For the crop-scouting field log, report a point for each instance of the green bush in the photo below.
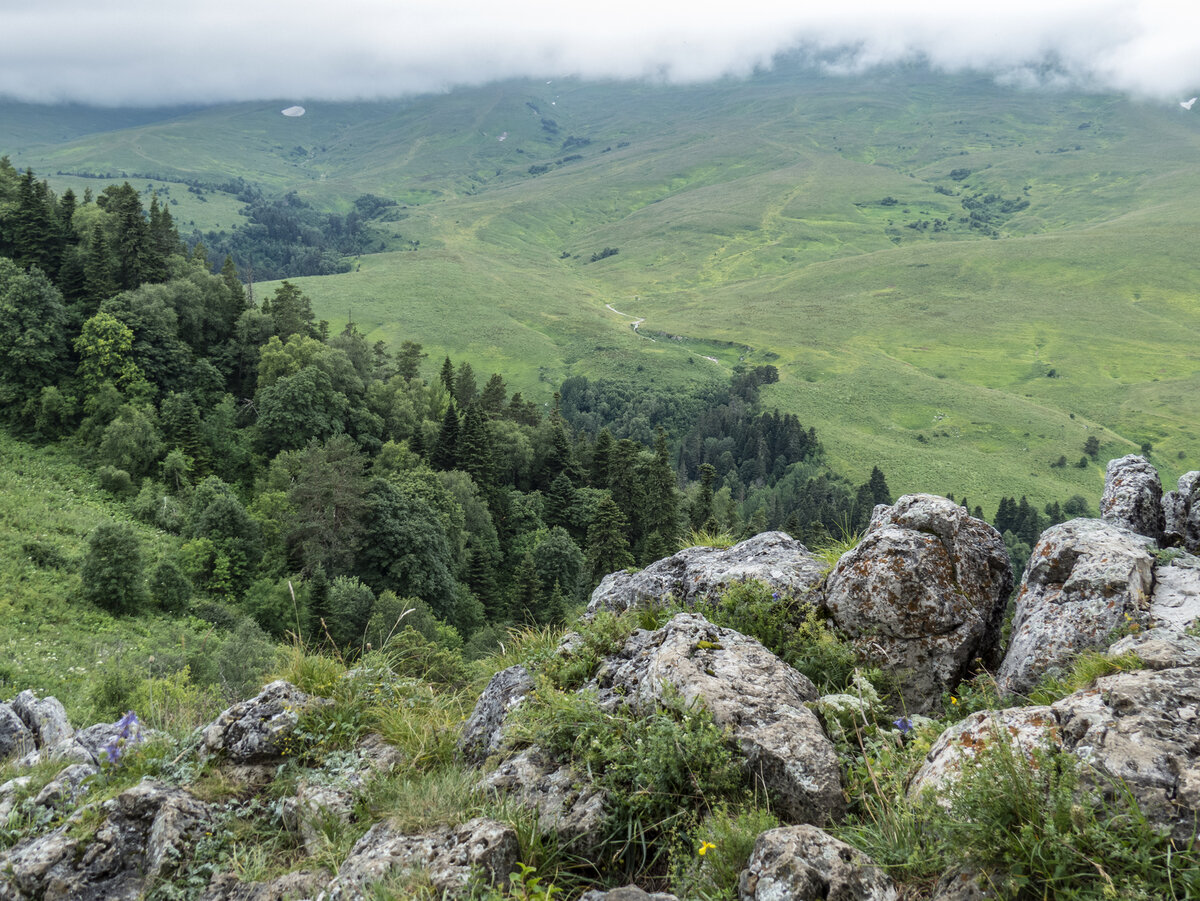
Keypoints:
(170, 587)
(116, 482)
(112, 576)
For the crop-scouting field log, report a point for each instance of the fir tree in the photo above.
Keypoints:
(445, 453)
(607, 547)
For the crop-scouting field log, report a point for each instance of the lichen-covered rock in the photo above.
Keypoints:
(289, 887)
(16, 740)
(1085, 578)
(483, 732)
(1144, 728)
(923, 594)
(1133, 496)
(1181, 513)
(564, 803)
(67, 787)
(257, 729)
(447, 855)
(45, 717)
(314, 809)
(146, 831)
(1161, 648)
(800, 862)
(1176, 599)
(962, 885)
(626, 893)
(704, 573)
(1024, 728)
(746, 688)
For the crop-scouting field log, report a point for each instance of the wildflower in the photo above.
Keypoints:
(129, 731)
(705, 847)
(904, 724)
(953, 700)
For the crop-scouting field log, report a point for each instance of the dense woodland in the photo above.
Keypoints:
(317, 479)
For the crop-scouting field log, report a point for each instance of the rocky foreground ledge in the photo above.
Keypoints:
(922, 597)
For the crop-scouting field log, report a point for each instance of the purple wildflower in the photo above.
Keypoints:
(129, 731)
(904, 724)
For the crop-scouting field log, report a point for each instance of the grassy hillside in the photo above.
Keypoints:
(815, 223)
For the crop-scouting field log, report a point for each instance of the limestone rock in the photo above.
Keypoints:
(447, 855)
(1025, 728)
(1133, 496)
(745, 688)
(1176, 598)
(1143, 727)
(146, 830)
(314, 808)
(16, 740)
(45, 717)
(799, 862)
(258, 728)
(289, 887)
(1083, 579)
(483, 732)
(1161, 648)
(67, 787)
(1181, 513)
(702, 573)
(961, 885)
(923, 594)
(564, 802)
(8, 795)
(626, 893)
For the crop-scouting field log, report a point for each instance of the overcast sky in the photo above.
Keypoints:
(207, 51)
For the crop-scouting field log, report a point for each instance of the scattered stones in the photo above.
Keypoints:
(800, 862)
(483, 732)
(1085, 579)
(703, 573)
(257, 729)
(1133, 496)
(923, 594)
(746, 688)
(446, 855)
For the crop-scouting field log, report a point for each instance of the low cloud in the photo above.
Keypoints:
(140, 52)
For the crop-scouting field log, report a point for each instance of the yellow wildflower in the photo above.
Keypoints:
(705, 847)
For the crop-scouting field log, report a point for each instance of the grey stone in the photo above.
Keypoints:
(626, 893)
(1181, 513)
(923, 594)
(483, 732)
(45, 717)
(962, 885)
(447, 855)
(1133, 496)
(1160, 648)
(745, 688)
(703, 573)
(289, 887)
(257, 729)
(16, 739)
(1176, 599)
(314, 809)
(565, 803)
(67, 787)
(800, 862)
(1085, 579)
(8, 795)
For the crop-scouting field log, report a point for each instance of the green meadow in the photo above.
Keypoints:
(816, 223)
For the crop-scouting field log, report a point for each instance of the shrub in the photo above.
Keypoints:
(116, 482)
(170, 587)
(112, 575)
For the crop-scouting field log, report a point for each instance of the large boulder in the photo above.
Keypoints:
(260, 728)
(145, 832)
(45, 717)
(923, 594)
(565, 804)
(800, 862)
(1085, 578)
(483, 732)
(1133, 496)
(1181, 513)
(703, 573)
(746, 688)
(16, 740)
(1176, 599)
(449, 856)
(1141, 727)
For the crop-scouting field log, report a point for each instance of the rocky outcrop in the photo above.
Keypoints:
(146, 830)
(746, 688)
(258, 729)
(448, 856)
(289, 887)
(923, 594)
(1181, 513)
(804, 862)
(483, 732)
(15, 738)
(1132, 496)
(564, 803)
(703, 573)
(1085, 578)
(1176, 599)
(45, 717)
(1162, 648)
(1141, 727)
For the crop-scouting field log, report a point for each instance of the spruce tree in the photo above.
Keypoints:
(445, 452)
(607, 547)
